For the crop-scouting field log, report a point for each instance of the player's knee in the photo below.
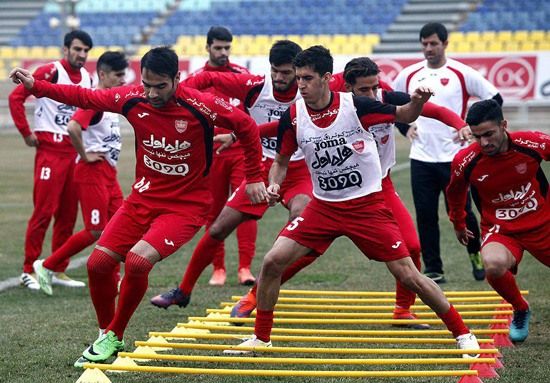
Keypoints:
(137, 265)
(272, 265)
(220, 231)
(494, 268)
(101, 262)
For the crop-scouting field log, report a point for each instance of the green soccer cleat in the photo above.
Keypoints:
(519, 329)
(44, 277)
(477, 266)
(103, 348)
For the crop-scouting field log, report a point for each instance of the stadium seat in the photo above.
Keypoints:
(521, 36)
(504, 36)
(495, 46)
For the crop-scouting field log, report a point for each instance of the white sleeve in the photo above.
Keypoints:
(479, 86)
(400, 82)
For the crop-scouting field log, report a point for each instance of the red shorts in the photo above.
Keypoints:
(99, 202)
(366, 221)
(164, 230)
(536, 242)
(297, 181)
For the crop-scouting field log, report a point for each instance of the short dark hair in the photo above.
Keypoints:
(283, 52)
(161, 60)
(360, 67)
(218, 33)
(317, 57)
(80, 35)
(486, 110)
(112, 61)
(437, 28)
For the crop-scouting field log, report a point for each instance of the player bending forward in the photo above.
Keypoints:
(96, 138)
(504, 172)
(170, 199)
(347, 191)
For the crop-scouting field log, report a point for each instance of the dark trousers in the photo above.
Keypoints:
(428, 181)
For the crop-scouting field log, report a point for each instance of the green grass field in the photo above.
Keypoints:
(41, 337)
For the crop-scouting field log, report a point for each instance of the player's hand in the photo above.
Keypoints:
(256, 192)
(273, 194)
(464, 236)
(32, 140)
(464, 136)
(422, 94)
(20, 75)
(93, 157)
(225, 140)
(412, 133)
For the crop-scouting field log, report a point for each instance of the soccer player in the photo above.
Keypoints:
(510, 190)
(227, 170)
(434, 145)
(332, 129)
(54, 192)
(170, 198)
(265, 98)
(361, 78)
(96, 138)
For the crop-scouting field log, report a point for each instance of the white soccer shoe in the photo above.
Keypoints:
(29, 281)
(252, 342)
(44, 277)
(63, 279)
(468, 342)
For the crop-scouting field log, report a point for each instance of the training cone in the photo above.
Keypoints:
(497, 363)
(500, 326)
(470, 379)
(227, 309)
(219, 316)
(484, 370)
(143, 350)
(158, 339)
(93, 375)
(489, 346)
(198, 330)
(181, 331)
(502, 340)
(125, 361)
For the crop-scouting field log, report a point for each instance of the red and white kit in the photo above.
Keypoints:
(264, 105)
(510, 189)
(170, 198)
(54, 191)
(227, 173)
(345, 169)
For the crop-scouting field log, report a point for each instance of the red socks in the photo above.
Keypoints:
(132, 291)
(507, 288)
(103, 285)
(74, 245)
(263, 324)
(246, 236)
(202, 257)
(405, 298)
(454, 322)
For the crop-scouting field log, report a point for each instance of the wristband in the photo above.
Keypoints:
(233, 137)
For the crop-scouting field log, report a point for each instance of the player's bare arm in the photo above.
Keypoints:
(464, 236)
(31, 140)
(75, 134)
(410, 112)
(22, 76)
(277, 175)
(225, 141)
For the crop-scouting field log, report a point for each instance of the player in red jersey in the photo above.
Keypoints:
(96, 138)
(510, 189)
(361, 78)
(265, 99)
(170, 198)
(54, 192)
(332, 129)
(227, 170)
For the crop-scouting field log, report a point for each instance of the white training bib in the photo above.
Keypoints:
(342, 158)
(267, 109)
(384, 135)
(104, 137)
(52, 116)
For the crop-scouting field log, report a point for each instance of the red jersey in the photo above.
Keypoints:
(17, 99)
(174, 143)
(509, 188)
(337, 83)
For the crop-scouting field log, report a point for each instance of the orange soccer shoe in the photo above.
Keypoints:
(245, 277)
(218, 278)
(400, 313)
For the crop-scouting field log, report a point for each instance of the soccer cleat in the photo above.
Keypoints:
(172, 297)
(477, 266)
(44, 277)
(468, 342)
(436, 277)
(244, 307)
(63, 279)
(80, 362)
(252, 342)
(519, 329)
(103, 348)
(218, 278)
(29, 281)
(245, 277)
(406, 314)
